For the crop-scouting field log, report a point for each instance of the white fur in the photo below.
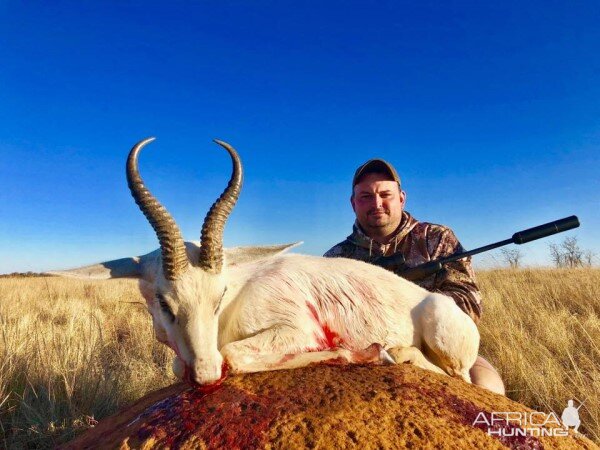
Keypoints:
(268, 313)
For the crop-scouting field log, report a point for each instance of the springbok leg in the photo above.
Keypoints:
(413, 355)
(292, 350)
(450, 337)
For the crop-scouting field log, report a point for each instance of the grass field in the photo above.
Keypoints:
(72, 352)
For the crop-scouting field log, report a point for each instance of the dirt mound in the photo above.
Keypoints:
(321, 407)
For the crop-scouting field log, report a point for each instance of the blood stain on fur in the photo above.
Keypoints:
(330, 338)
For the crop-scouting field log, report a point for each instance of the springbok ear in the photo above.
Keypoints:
(135, 267)
(147, 266)
(241, 255)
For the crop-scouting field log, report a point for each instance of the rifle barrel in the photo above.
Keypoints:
(475, 251)
(520, 237)
(548, 229)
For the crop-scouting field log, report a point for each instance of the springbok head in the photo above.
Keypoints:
(186, 294)
(183, 282)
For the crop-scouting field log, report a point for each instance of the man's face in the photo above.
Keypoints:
(378, 203)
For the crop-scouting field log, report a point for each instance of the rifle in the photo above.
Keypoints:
(581, 404)
(396, 262)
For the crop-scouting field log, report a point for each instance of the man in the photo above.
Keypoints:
(383, 228)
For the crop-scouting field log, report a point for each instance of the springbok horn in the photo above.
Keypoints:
(174, 257)
(211, 239)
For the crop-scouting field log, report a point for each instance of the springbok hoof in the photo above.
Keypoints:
(373, 354)
(386, 359)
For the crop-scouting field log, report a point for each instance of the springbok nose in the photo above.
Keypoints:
(206, 371)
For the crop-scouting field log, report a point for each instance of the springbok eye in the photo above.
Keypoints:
(165, 307)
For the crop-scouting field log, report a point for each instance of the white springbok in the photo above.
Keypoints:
(256, 309)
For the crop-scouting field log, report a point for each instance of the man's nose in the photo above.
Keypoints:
(378, 201)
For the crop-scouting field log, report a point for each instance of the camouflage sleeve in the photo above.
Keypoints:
(342, 250)
(457, 279)
(335, 251)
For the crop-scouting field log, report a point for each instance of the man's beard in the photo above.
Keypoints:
(379, 221)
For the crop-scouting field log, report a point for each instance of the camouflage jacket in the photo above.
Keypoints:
(420, 242)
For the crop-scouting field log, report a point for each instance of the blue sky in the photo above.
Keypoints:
(489, 111)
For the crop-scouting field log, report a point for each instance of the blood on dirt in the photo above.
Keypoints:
(232, 419)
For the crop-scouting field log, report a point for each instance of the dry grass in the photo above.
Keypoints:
(72, 352)
(541, 330)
